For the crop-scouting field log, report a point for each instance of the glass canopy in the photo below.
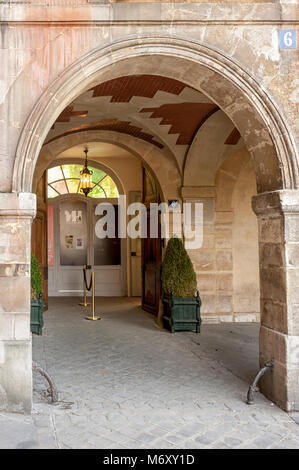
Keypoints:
(65, 179)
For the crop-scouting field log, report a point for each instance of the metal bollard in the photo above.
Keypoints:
(84, 303)
(52, 390)
(268, 366)
(93, 317)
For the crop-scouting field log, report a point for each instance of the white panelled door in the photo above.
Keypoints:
(72, 242)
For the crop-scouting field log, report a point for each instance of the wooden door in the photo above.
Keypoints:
(151, 251)
(135, 254)
(39, 245)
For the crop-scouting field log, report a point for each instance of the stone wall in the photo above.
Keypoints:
(227, 263)
(246, 285)
(278, 216)
(16, 213)
(36, 55)
(228, 51)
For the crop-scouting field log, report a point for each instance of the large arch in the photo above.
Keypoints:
(160, 162)
(265, 134)
(200, 66)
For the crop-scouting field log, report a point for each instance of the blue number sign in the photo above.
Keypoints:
(287, 39)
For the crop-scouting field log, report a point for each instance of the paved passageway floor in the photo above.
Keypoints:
(125, 383)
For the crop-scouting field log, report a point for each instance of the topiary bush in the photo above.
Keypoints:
(36, 279)
(178, 275)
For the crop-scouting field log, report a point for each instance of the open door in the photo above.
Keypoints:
(135, 253)
(151, 251)
(39, 244)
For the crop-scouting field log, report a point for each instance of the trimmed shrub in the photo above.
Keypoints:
(36, 279)
(178, 275)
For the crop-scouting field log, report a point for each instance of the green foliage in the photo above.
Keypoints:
(36, 279)
(178, 275)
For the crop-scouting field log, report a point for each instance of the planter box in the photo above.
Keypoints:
(36, 316)
(181, 314)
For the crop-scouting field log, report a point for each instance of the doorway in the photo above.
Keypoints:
(72, 242)
(151, 249)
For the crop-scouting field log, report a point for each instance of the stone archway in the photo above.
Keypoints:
(231, 87)
(161, 164)
(266, 137)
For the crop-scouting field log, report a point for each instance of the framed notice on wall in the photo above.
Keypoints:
(79, 243)
(69, 241)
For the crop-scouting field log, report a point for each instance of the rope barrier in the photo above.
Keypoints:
(85, 288)
(85, 280)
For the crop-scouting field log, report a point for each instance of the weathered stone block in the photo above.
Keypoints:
(225, 318)
(224, 304)
(206, 282)
(246, 317)
(210, 319)
(208, 303)
(198, 192)
(292, 254)
(247, 298)
(16, 296)
(208, 237)
(203, 260)
(224, 260)
(16, 376)
(6, 326)
(223, 238)
(293, 319)
(281, 385)
(272, 254)
(22, 327)
(208, 210)
(14, 236)
(224, 218)
(271, 230)
(292, 228)
(273, 284)
(224, 283)
(274, 315)
(21, 204)
(292, 279)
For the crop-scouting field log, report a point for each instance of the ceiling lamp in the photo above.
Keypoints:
(86, 177)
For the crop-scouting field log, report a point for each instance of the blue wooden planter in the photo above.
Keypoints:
(36, 316)
(181, 314)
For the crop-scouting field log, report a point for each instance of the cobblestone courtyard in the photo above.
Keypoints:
(125, 383)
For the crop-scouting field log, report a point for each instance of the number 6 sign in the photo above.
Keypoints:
(287, 39)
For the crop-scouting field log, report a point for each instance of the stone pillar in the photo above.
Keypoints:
(213, 262)
(16, 214)
(278, 220)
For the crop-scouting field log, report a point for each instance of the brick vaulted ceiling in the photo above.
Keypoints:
(118, 126)
(184, 118)
(159, 110)
(124, 88)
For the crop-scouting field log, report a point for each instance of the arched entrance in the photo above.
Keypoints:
(232, 88)
(265, 135)
(73, 219)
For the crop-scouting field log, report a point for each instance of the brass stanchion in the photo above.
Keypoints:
(93, 317)
(84, 303)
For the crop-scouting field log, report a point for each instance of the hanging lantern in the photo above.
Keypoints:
(86, 177)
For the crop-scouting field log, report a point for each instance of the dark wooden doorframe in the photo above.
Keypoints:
(151, 250)
(39, 234)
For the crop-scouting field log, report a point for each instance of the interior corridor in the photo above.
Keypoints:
(125, 383)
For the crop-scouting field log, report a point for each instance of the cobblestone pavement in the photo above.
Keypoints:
(125, 383)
